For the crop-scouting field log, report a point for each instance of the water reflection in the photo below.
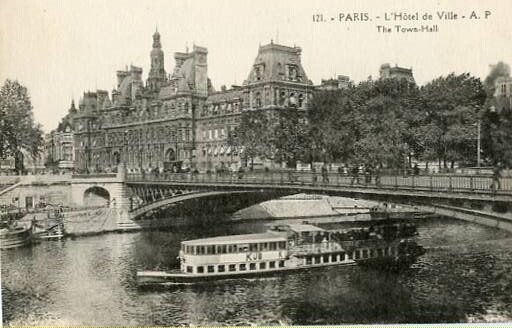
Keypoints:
(465, 276)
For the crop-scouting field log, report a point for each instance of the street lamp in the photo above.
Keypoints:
(125, 143)
(478, 144)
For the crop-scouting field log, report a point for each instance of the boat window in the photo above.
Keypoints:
(221, 268)
(253, 247)
(211, 268)
(232, 267)
(252, 266)
(263, 265)
(272, 246)
(200, 269)
(263, 246)
(317, 259)
(189, 269)
(242, 267)
(281, 264)
(222, 249)
(326, 258)
(309, 260)
(365, 253)
(272, 264)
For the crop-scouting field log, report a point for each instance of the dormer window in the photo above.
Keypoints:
(258, 72)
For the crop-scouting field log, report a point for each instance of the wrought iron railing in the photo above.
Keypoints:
(433, 183)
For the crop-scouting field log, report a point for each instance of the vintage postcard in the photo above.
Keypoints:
(255, 163)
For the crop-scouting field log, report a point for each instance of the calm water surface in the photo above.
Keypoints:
(466, 276)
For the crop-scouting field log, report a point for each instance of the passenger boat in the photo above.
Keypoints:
(15, 236)
(285, 249)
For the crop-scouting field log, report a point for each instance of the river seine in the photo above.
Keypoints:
(465, 276)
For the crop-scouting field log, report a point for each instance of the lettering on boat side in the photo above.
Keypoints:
(253, 257)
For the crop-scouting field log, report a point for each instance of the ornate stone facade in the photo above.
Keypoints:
(179, 120)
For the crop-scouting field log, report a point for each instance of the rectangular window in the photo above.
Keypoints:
(242, 267)
(253, 247)
(189, 269)
(350, 257)
(282, 245)
(263, 246)
(357, 254)
(211, 269)
(222, 249)
(200, 269)
(221, 268)
(317, 259)
(252, 266)
(272, 246)
(326, 258)
(281, 264)
(334, 258)
(386, 251)
(309, 260)
(365, 253)
(272, 264)
(232, 267)
(263, 265)
(342, 256)
(380, 252)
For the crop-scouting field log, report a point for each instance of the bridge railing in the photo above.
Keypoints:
(466, 183)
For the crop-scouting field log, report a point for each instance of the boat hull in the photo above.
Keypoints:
(17, 238)
(147, 278)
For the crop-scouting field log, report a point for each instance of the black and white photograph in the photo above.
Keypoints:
(255, 162)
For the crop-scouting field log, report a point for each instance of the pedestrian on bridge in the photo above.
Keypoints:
(355, 175)
(325, 176)
(496, 175)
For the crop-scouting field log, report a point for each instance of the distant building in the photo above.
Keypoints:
(388, 72)
(503, 92)
(342, 82)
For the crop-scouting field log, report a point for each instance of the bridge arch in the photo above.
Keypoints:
(96, 196)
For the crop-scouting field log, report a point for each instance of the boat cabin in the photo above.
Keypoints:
(233, 254)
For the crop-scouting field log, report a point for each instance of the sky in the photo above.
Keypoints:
(59, 49)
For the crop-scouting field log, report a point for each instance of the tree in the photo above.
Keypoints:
(17, 127)
(253, 135)
(290, 137)
(452, 103)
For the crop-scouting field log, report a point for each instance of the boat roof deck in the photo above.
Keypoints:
(304, 228)
(238, 239)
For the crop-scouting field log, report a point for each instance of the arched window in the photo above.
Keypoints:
(257, 100)
(301, 100)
